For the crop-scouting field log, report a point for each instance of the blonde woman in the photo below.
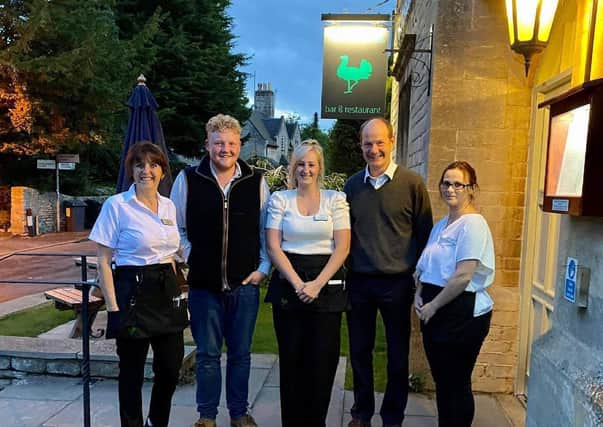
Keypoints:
(308, 239)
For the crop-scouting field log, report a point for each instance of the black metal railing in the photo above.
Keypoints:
(84, 286)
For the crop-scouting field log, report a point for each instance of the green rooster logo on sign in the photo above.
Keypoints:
(352, 75)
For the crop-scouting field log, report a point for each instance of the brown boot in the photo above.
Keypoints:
(205, 422)
(244, 421)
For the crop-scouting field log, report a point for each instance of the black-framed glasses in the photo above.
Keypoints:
(457, 186)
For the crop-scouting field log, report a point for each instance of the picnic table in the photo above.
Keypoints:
(71, 299)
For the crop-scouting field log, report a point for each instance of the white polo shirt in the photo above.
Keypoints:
(137, 235)
(308, 234)
(467, 238)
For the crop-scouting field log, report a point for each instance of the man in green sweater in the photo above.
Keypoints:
(391, 221)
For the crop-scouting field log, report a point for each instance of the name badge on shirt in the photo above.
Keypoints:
(321, 217)
(167, 221)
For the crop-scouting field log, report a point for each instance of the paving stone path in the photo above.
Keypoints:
(49, 401)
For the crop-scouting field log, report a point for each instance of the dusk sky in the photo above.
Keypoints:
(284, 40)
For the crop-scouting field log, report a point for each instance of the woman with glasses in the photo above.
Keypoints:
(308, 239)
(451, 299)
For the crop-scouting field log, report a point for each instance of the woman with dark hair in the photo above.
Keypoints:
(144, 304)
(451, 299)
(308, 239)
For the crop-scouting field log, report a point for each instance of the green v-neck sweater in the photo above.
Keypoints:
(391, 225)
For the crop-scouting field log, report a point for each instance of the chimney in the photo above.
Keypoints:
(264, 99)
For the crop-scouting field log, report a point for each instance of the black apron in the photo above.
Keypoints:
(332, 298)
(149, 300)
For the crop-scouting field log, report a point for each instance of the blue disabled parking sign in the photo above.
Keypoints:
(570, 279)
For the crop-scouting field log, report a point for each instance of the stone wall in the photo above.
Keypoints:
(23, 356)
(22, 198)
(43, 208)
(478, 111)
(566, 369)
(419, 21)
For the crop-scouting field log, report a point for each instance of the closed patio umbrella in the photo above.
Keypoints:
(143, 125)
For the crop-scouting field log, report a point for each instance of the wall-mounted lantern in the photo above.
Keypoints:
(530, 23)
(575, 148)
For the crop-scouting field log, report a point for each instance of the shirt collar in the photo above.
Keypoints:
(236, 175)
(389, 172)
(131, 195)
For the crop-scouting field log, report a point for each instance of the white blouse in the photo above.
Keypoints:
(137, 235)
(467, 238)
(308, 235)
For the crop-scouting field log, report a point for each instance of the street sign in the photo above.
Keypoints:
(46, 164)
(570, 279)
(67, 166)
(68, 158)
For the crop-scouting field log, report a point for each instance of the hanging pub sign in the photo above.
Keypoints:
(354, 66)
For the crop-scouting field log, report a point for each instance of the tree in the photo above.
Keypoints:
(196, 75)
(76, 70)
(312, 131)
(345, 155)
(65, 77)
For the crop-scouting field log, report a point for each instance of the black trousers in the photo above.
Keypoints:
(308, 348)
(168, 351)
(452, 340)
(392, 296)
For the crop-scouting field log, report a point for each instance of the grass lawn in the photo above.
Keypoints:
(34, 321)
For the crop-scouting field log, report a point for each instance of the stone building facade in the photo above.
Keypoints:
(470, 100)
(475, 110)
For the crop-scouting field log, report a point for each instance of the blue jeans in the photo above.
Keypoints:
(215, 318)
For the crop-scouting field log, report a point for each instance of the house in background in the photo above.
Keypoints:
(266, 136)
(294, 132)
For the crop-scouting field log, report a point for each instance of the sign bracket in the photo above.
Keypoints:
(406, 52)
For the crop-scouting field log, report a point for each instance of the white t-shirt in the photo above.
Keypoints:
(467, 238)
(308, 235)
(137, 235)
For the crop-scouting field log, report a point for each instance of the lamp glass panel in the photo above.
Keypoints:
(526, 19)
(547, 14)
(567, 152)
(356, 33)
(510, 21)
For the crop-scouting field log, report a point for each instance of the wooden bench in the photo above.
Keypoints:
(71, 299)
